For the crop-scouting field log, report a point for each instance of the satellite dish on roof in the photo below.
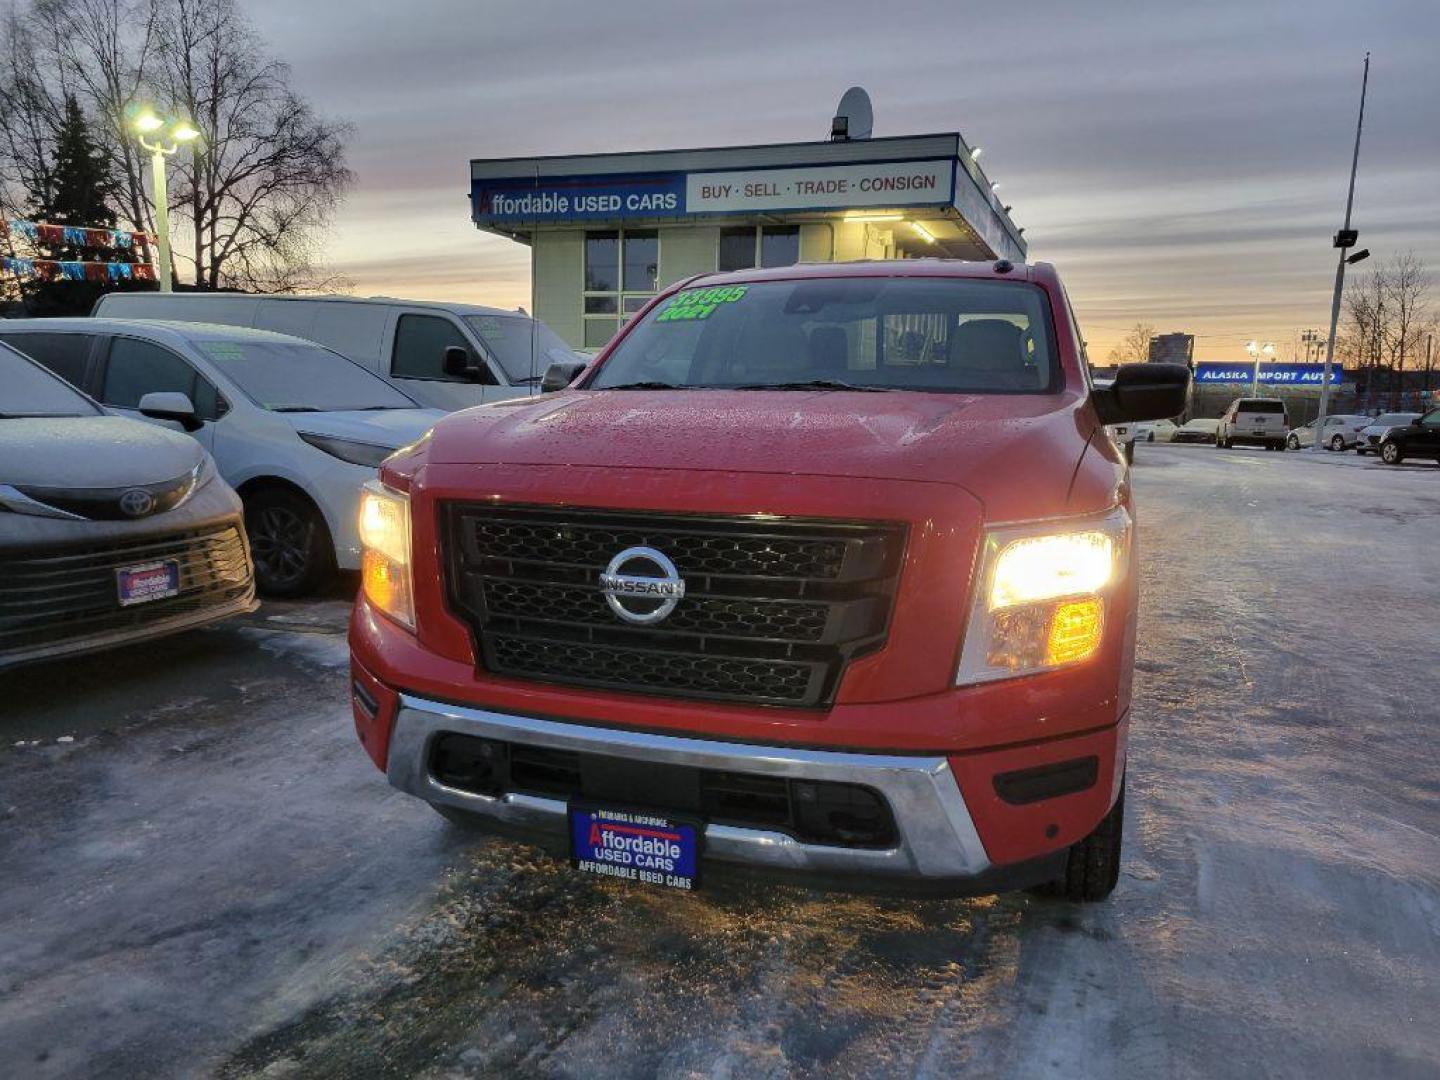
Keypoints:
(854, 119)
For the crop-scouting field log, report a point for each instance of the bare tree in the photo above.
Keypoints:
(1134, 347)
(253, 196)
(1388, 315)
(268, 173)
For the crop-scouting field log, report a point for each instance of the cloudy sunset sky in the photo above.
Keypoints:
(1182, 164)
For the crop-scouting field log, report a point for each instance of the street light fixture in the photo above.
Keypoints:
(170, 135)
(1256, 351)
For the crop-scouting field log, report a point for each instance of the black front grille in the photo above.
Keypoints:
(773, 609)
(70, 592)
(814, 811)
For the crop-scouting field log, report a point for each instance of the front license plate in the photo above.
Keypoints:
(152, 581)
(635, 845)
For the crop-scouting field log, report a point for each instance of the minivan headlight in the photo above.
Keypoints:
(385, 552)
(1044, 591)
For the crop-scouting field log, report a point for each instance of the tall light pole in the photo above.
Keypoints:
(174, 133)
(1344, 240)
(1256, 351)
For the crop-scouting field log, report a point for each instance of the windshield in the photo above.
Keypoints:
(27, 389)
(508, 337)
(296, 376)
(946, 335)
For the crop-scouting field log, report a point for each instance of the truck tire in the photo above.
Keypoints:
(289, 542)
(1094, 864)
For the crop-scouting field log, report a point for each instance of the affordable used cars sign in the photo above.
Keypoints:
(661, 195)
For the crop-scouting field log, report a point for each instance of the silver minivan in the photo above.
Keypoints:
(445, 356)
(111, 531)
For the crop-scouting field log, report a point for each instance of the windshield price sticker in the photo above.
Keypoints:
(635, 846)
(699, 303)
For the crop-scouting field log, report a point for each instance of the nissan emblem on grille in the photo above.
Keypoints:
(651, 599)
(137, 502)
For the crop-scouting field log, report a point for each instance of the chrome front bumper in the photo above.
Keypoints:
(937, 839)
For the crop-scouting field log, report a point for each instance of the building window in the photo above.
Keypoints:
(758, 245)
(622, 272)
(737, 249)
(779, 245)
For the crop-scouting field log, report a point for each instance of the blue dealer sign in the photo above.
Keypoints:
(574, 198)
(1270, 374)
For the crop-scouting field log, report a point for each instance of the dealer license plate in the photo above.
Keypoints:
(152, 581)
(635, 845)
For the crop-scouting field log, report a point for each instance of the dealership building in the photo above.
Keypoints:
(606, 231)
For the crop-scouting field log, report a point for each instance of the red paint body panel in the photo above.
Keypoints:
(947, 466)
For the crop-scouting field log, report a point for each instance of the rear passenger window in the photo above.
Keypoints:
(137, 368)
(420, 344)
(64, 354)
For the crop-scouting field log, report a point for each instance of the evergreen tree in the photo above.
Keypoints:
(80, 192)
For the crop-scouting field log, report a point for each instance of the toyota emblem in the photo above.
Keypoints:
(643, 598)
(137, 502)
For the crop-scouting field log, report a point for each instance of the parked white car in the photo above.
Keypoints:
(1199, 430)
(446, 356)
(296, 429)
(1370, 437)
(1341, 432)
(1156, 430)
(1253, 422)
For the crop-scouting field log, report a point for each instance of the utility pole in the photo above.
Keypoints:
(1344, 240)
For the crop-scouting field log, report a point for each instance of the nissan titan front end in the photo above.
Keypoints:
(827, 570)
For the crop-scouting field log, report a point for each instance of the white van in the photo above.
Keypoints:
(502, 354)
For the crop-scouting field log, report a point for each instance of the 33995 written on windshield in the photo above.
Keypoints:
(699, 303)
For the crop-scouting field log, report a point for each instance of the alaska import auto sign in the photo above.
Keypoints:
(678, 194)
(1270, 374)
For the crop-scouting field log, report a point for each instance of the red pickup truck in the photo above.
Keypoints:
(827, 569)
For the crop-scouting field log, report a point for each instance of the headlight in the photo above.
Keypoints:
(200, 475)
(1043, 594)
(356, 453)
(385, 555)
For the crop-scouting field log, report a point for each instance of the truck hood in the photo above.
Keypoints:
(1016, 453)
(92, 452)
(379, 427)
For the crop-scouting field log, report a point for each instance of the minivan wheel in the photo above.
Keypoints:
(1390, 454)
(1337, 443)
(1093, 867)
(289, 542)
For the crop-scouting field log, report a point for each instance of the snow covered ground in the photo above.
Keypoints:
(212, 879)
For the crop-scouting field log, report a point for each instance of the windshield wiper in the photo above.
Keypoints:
(813, 384)
(646, 384)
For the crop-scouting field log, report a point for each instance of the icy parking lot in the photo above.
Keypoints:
(210, 878)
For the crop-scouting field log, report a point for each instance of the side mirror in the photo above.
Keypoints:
(1143, 392)
(458, 364)
(1417, 421)
(171, 405)
(561, 374)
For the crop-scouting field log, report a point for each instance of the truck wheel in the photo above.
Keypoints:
(289, 541)
(1390, 454)
(1337, 443)
(1094, 865)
